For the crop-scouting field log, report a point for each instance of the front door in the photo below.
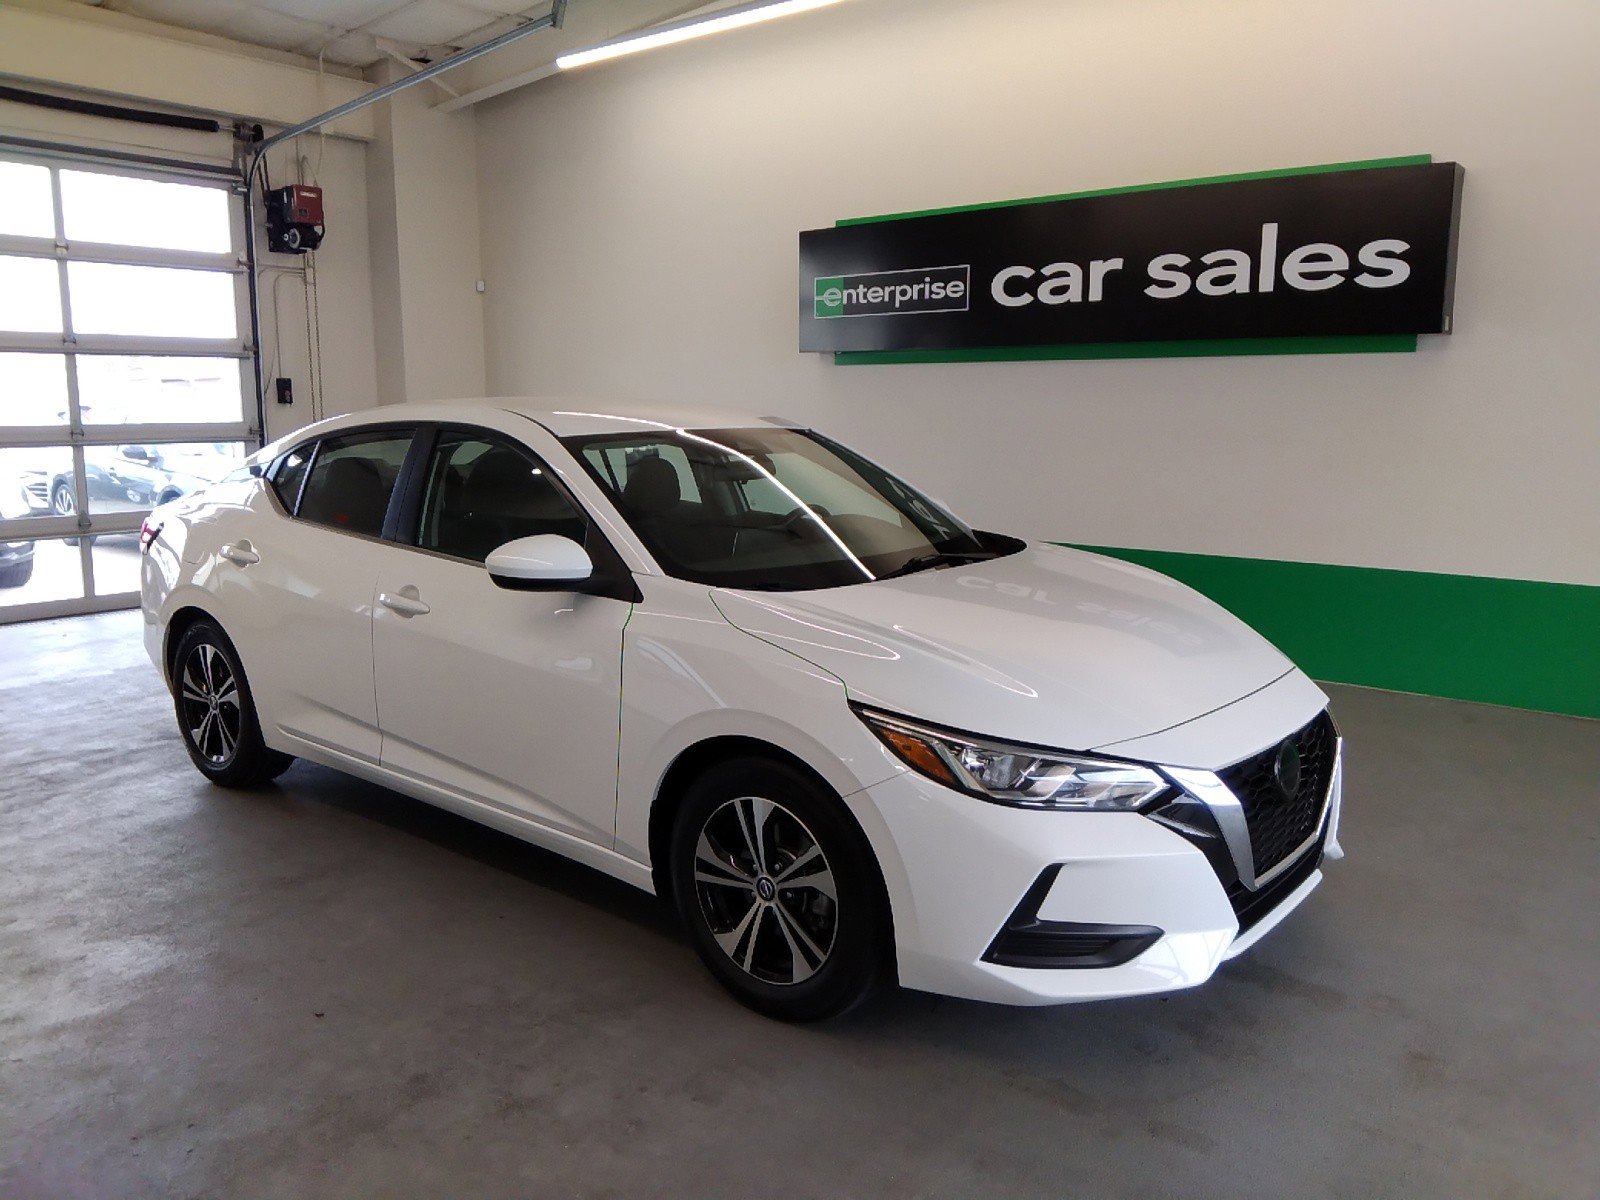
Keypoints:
(507, 697)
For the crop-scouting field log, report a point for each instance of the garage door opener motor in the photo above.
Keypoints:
(294, 219)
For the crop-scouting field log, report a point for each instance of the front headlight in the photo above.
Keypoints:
(1021, 776)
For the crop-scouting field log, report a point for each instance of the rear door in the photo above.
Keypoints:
(311, 566)
(510, 698)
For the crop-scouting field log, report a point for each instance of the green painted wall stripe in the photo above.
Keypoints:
(1396, 343)
(1502, 641)
(1409, 160)
(1216, 348)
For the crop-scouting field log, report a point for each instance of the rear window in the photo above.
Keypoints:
(351, 480)
(290, 474)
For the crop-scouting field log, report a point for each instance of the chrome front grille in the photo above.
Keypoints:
(1278, 823)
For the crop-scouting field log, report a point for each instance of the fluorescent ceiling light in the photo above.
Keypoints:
(682, 31)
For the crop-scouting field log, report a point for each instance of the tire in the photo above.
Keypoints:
(64, 504)
(216, 713)
(16, 575)
(793, 953)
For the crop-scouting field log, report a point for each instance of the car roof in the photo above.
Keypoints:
(580, 416)
(567, 416)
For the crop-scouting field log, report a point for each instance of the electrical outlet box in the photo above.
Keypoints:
(285, 390)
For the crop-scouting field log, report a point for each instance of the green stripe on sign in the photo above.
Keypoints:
(1389, 343)
(1466, 637)
(1366, 164)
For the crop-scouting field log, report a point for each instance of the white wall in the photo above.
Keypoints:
(421, 175)
(639, 219)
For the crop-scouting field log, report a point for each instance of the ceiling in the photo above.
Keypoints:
(342, 31)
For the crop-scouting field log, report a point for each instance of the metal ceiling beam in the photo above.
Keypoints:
(551, 20)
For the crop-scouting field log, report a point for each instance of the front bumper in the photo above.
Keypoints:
(970, 868)
(35, 492)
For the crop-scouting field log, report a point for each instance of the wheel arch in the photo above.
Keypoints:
(183, 618)
(697, 758)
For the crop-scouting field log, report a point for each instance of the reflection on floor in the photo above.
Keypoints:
(323, 988)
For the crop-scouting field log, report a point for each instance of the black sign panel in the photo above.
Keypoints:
(1347, 252)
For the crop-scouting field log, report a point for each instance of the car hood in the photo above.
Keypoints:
(1049, 645)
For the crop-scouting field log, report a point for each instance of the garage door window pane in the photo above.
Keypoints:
(31, 572)
(116, 564)
(144, 212)
(33, 389)
(25, 207)
(30, 295)
(133, 477)
(118, 389)
(151, 301)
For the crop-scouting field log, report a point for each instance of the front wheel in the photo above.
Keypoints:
(64, 504)
(17, 574)
(780, 891)
(216, 713)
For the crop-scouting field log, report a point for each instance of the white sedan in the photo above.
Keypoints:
(732, 662)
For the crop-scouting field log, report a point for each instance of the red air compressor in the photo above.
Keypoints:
(294, 219)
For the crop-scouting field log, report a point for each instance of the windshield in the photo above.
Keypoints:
(774, 509)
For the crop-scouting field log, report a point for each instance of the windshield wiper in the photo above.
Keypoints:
(939, 558)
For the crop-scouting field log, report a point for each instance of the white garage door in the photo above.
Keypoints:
(124, 369)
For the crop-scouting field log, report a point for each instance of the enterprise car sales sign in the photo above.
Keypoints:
(1336, 252)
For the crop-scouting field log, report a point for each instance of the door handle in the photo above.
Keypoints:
(406, 606)
(239, 553)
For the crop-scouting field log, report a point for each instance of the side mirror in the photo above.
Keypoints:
(546, 562)
(136, 454)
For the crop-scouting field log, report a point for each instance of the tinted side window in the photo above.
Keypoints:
(291, 473)
(482, 494)
(349, 485)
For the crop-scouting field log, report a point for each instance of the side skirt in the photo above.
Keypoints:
(602, 859)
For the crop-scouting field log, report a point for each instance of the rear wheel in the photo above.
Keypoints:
(780, 891)
(216, 714)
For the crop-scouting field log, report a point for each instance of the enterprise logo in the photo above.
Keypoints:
(894, 293)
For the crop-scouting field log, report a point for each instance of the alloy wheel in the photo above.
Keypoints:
(212, 717)
(766, 890)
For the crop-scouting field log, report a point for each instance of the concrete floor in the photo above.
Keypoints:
(325, 989)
